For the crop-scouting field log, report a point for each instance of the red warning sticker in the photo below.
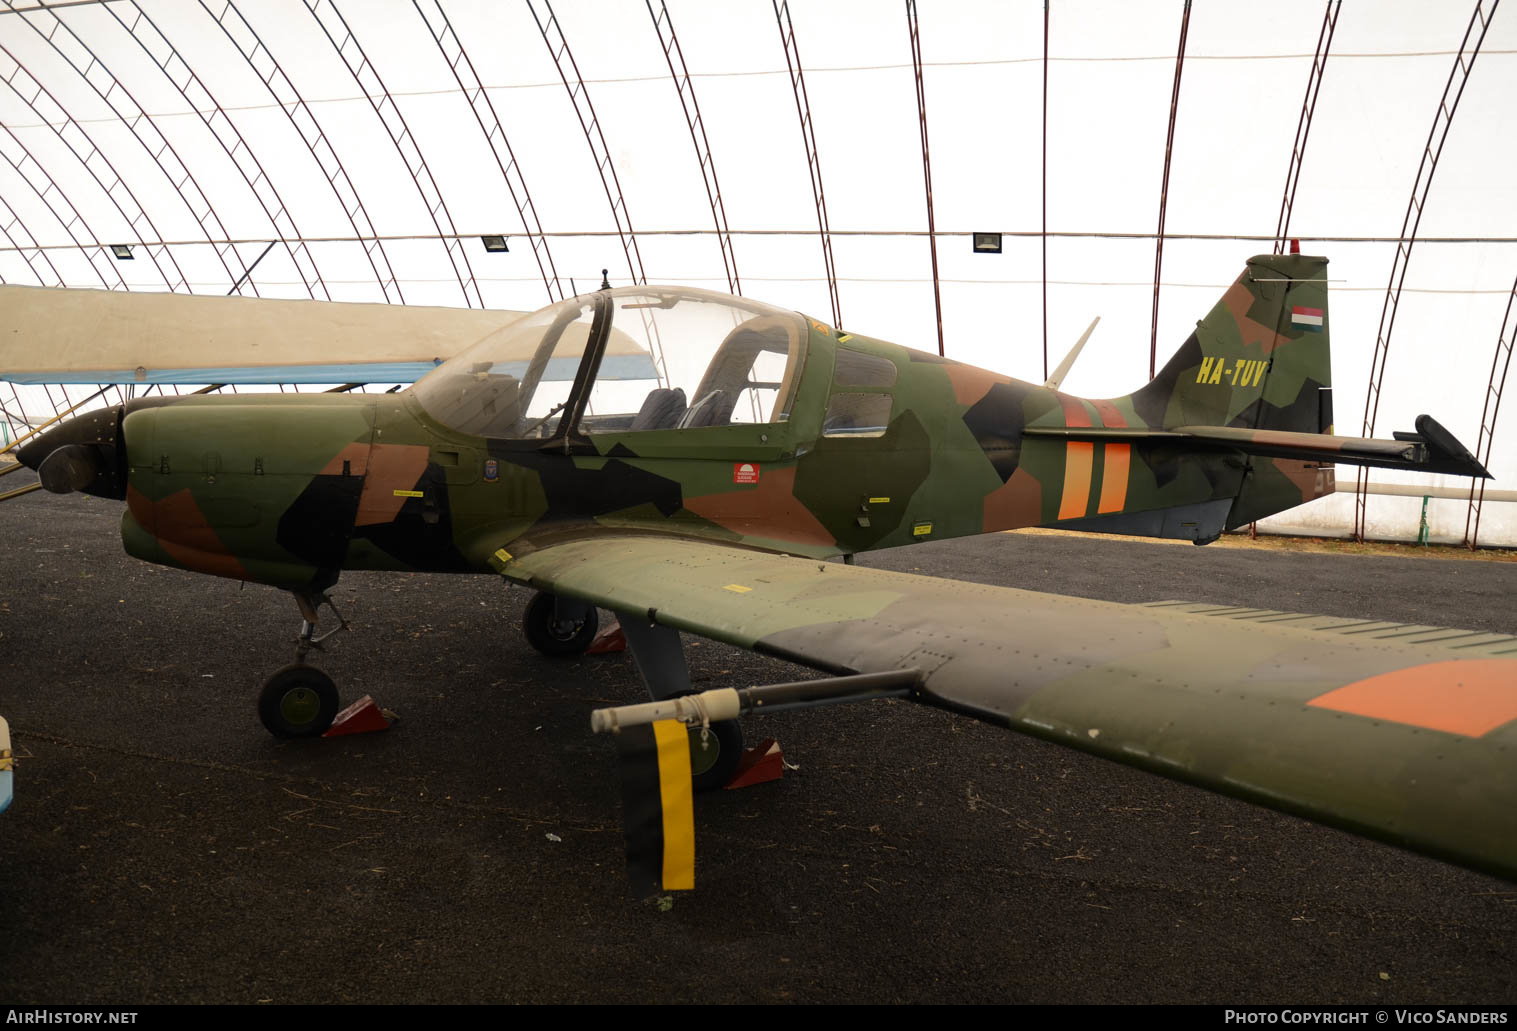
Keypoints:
(745, 472)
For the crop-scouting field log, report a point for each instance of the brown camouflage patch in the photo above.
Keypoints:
(971, 384)
(391, 467)
(183, 532)
(355, 455)
(769, 509)
(1312, 480)
(1016, 503)
(140, 506)
(1239, 299)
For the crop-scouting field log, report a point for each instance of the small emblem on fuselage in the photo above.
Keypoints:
(745, 472)
(492, 469)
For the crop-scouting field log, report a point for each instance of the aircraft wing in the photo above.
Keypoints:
(54, 335)
(1403, 733)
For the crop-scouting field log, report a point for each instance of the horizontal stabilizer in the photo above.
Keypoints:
(1432, 449)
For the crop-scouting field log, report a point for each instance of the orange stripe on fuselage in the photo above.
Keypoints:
(1079, 461)
(1118, 461)
(1114, 478)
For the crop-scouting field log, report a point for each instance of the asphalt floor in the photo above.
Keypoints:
(162, 848)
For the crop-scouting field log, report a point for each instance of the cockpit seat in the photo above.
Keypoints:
(661, 410)
(714, 409)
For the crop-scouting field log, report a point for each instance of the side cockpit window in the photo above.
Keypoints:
(850, 411)
(857, 415)
(857, 369)
(690, 359)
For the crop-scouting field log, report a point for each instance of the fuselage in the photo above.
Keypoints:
(829, 443)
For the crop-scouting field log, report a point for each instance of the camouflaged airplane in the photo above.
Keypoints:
(690, 461)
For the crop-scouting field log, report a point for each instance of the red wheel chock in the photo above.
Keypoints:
(759, 765)
(361, 717)
(608, 640)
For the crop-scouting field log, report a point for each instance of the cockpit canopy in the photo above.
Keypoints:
(625, 360)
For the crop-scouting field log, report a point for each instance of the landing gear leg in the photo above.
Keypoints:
(714, 750)
(300, 700)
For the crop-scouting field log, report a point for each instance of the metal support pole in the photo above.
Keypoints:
(1501, 362)
(288, 99)
(68, 216)
(579, 96)
(157, 47)
(367, 78)
(1169, 143)
(1304, 122)
(685, 87)
(932, 229)
(474, 92)
(81, 144)
(66, 43)
(10, 224)
(1298, 145)
(251, 267)
(1464, 61)
(1045, 190)
(808, 137)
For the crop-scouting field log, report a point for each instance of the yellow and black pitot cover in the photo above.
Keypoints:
(657, 806)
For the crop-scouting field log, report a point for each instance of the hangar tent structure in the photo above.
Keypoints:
(976, 178)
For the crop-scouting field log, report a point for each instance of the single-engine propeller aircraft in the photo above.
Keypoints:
(689, 460)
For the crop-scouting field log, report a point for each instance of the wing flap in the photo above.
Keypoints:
(1249, 704)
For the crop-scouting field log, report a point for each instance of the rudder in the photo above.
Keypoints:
(1260, 359)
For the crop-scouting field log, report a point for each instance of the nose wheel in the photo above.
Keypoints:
(300, 700)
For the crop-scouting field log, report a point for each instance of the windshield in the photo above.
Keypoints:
(673, 358)
(516, 381)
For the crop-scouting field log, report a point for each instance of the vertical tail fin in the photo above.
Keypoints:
(1259, 360)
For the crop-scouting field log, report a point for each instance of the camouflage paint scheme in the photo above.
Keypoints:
(289, 476)
(1403, 733)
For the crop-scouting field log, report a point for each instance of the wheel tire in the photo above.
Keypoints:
(555, 639)
(710, 770)
(298, 701)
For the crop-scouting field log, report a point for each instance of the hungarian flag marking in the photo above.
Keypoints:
(1309, 319)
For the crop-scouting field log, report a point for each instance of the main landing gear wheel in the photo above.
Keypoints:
(298, 701)
(714, 756)
(555, 636)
